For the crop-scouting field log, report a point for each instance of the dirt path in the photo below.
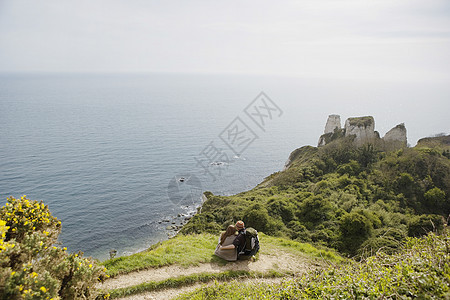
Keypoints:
(280, 261)
(170, 293)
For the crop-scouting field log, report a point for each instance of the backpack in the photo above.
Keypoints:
(251, 246)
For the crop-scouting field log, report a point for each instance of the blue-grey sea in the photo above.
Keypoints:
(119, 157)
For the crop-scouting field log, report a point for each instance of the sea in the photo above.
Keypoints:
(123, 159)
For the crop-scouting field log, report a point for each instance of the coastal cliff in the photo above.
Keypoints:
(362, 130)
(356, 191)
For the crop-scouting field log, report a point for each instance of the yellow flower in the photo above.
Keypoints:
(90, 265)
(43, 289)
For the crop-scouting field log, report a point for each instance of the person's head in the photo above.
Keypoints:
(240, 225)
(231, 230)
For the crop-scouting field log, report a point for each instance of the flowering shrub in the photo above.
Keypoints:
(32, 266)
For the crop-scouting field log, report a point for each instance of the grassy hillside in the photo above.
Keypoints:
(190, 250)
(352, 199)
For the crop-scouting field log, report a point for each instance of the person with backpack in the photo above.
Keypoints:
(246, 243)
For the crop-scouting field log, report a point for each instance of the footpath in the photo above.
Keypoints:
(283, 263)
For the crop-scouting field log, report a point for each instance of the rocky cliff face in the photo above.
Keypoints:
(396, 137)
(333, 122)
(363, 128)
(363, 131)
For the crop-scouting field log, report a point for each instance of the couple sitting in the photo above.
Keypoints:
(232, 242)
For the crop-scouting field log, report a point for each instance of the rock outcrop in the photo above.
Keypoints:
(362, 129)
(396, 137)
(332, 130)
(333, 122)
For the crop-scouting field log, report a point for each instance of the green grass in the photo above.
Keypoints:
(189, 250)
(185, 250)
(188, 280)
(271, 244)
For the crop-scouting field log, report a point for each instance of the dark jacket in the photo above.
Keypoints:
(239, 241)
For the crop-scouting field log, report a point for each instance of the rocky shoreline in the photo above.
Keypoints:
(175, 223)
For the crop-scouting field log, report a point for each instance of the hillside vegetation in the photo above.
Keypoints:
(354, 199)
(421, 270)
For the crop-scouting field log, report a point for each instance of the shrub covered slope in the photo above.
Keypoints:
(353, 199)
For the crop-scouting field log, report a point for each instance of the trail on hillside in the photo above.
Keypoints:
(280, 261)
(171, 293)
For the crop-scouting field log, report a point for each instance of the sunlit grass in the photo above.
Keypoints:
(189, 250)
(271, 244)
(185, 250)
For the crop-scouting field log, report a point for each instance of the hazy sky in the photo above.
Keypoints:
(384, 39)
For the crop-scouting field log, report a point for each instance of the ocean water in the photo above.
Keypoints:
(119, 157)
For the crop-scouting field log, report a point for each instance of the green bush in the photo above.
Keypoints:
(355, 228)
(435, 198)
(282, 208)
(352, 168)
(299, 232)
(421, 225)
(256, 216)
(314, 210)
(31, 266)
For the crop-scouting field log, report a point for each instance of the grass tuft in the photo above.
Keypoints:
(297, 248)
(185, 250)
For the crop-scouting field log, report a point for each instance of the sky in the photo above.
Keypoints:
(354, 39)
